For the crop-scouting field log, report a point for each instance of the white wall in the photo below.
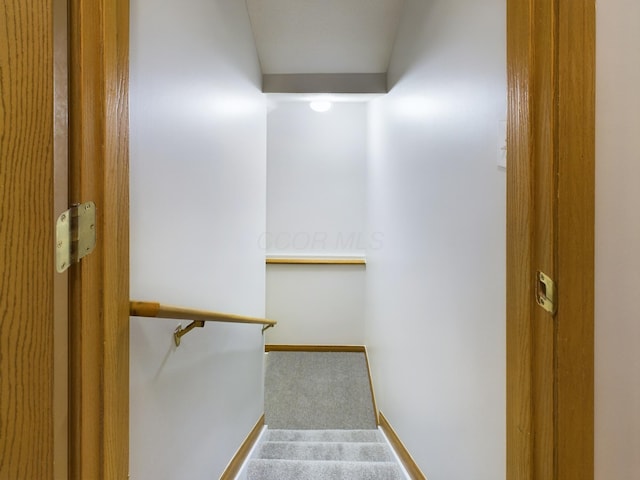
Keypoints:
(436, 288)
(198, 174)
(316, 179)
(316, 304)
(617, 329)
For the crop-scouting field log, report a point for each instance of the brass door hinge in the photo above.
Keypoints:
(546, 292)
(75, 234)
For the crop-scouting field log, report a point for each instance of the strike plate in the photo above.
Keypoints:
(546, 292)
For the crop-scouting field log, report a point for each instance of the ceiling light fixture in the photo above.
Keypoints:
(320, 106)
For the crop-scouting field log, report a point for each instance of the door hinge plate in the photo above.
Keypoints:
(546, 292)
(75, 234)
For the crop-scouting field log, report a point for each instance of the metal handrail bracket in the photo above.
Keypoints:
(180, 332)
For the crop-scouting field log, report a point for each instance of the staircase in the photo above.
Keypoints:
(319, 410)
(323, 454)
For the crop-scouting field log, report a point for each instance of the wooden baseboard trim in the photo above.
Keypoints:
(373, 393)
(315, 348)
(233, 468)
(405, 457)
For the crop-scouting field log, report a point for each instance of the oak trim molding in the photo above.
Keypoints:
(315, 261)
(550, 228)
(99, 285)
(242, 454)
(29, 323)
(405, 457)
(315, 348)
(373, 393)
(575, 254)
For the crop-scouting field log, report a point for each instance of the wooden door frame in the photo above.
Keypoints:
(99, 340)
(551, 102)
(99, 285)
(29, 330)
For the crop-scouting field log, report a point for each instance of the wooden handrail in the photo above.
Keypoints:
(315, 261)
(155, 309)
(198, 317)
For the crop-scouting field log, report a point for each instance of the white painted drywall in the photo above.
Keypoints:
(316, 304)
(436, 288)
(198, 175)
(316, 179)
(330, 36)
(617, 306)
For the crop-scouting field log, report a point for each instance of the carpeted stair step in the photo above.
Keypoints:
(264, 469)
(323, 436)
(323, 454)
(321, 421)
(343, 451)
(318, 390)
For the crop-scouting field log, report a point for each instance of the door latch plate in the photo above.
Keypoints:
(546, 292)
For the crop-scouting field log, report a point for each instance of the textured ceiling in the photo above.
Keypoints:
(324, 36)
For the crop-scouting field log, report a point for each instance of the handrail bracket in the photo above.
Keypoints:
(180, 332)
(266, 327)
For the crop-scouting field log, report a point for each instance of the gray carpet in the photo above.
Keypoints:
(318, 390)
(327, 454)
(321, 422)
(274, 435)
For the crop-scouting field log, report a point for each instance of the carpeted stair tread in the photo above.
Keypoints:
(278, 435)
(326, 470)
(321, 421)
(318, 390)
(343, 451)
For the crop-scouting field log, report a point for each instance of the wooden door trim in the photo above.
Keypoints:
(99, 289)
(575, 240)
(519, 245)
(567, 45)
(27, 232)
(99, 374)
(61, 203)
